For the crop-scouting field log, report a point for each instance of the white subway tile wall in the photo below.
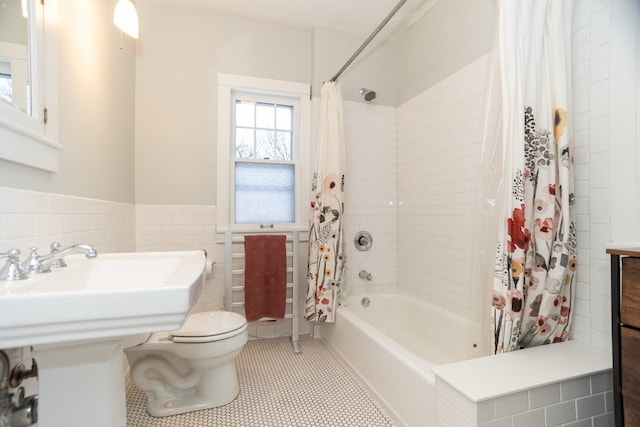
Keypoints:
(370, 195)
(584, 401)
(34, 219)
(439, 140)
(590, 79)
(184, 227)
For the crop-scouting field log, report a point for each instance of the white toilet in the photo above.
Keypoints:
(192, 368)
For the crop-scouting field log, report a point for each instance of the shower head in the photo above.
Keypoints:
(369, 95)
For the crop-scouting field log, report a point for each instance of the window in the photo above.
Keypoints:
(263, 133)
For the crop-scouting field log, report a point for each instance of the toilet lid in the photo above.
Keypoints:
(211, 325)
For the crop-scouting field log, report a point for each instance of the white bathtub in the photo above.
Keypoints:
(392, 345)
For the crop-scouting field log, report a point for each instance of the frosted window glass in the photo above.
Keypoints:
(264, 193)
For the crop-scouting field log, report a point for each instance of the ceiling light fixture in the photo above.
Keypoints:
(125, 17)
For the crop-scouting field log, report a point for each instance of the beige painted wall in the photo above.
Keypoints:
(163, 96)
(451, 35)
(373, 69)
(182, 50)
(96, 108)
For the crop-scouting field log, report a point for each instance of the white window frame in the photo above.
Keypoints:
(228, 85)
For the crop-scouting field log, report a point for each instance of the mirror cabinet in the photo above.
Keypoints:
(28, 84)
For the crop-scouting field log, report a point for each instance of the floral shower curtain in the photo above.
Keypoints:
(326, 257)
(534, 280)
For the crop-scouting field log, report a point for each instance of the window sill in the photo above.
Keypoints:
(303, 236)
(26, 147)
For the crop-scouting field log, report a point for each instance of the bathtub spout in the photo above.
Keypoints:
(365, 275)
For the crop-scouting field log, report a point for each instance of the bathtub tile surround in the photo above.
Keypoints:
(370, 192)
(591, 41)
(538, 391)
(523, 409)
(280, 388)
(370, 195)
(439, 139)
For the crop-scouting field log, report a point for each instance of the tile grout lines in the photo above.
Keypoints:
(279, 388)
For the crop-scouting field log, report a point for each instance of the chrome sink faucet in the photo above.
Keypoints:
(42, 263)
(12, 270)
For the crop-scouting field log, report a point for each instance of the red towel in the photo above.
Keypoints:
(265, 276)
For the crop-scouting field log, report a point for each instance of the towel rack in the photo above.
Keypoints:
(230, 288)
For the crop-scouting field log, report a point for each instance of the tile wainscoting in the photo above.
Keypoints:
(35, 219)
(185, 227)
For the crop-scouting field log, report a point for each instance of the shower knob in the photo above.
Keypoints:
(363, 241)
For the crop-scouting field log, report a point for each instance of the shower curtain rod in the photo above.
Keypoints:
(368, 40)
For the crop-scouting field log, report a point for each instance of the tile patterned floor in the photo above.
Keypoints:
(279, 388)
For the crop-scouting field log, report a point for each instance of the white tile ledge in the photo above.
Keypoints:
(494, 376)
(622, 244)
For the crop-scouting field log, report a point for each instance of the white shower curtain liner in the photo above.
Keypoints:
(326, 256)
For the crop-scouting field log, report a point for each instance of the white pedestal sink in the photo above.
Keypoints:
(81, 385)
(75, 318)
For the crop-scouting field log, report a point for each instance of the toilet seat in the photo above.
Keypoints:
(209, 327)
